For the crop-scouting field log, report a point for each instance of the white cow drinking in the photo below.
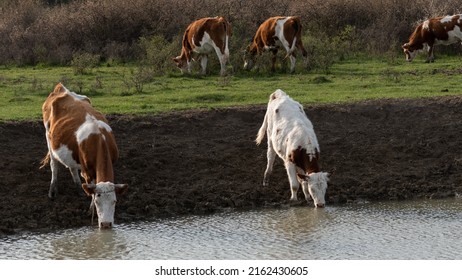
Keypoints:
(291, 136)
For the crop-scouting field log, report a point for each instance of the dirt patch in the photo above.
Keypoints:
(205, 161)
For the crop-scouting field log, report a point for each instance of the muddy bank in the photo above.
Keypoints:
(201, 162)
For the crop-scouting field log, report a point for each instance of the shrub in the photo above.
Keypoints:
(158, 53)
(82, 62)
(35, 31)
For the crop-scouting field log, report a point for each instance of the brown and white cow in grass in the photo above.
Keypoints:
(291, 136)
(435, 31)
(203, 37)
(273, 33)
(80, 138)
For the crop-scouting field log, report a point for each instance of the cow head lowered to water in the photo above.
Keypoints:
(104, 198)
(291, 136)
(80, 138)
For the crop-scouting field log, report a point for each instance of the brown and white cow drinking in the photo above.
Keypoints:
(204, 36)
(435, 31)
(291, 136)
(80, 138)
(274, 32)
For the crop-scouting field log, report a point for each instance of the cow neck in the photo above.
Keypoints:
(104, 169)
(307, 162)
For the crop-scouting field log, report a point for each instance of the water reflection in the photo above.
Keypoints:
(428, 229)
(89, 244)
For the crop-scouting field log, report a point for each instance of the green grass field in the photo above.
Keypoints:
(127, 90)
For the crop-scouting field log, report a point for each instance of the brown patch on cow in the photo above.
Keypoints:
(302, 160)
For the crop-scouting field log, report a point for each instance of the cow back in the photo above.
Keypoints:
(289, 126)
(70, 120)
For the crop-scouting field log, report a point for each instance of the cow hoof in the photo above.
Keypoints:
(52, 195)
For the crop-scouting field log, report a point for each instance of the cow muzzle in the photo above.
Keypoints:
(105, 225)
(320, 205)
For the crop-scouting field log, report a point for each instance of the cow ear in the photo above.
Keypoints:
(327, 175)
(120, 188)
(89, 188)
(331, 172)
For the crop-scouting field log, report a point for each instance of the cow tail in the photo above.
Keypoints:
(45, 161)
(262, 130)
(298, 31)
(297, 26)
(226, 26)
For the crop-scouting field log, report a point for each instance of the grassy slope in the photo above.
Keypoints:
(112, 89)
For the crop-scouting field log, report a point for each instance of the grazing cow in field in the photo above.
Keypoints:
(204, 36)
(435, 31)
(291, 136)
(276, 31)
(80, 138)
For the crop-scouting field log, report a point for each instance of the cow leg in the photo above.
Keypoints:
(430, 57)
(292, 174)
(271, 155)
(188, 66)
(204, 59)
(53, 192)
(75, 177)
(306, 192)
(223, 60)
(292, 63)
(273, 59)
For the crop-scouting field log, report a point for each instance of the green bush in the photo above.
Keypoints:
(158, 53)
(82, 62)
(35, 31)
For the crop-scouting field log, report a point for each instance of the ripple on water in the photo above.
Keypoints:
(428, 229)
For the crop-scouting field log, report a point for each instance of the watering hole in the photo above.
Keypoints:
(420, 229)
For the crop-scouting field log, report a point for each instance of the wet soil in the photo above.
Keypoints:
(200, 162)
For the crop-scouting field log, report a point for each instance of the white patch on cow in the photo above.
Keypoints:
(206, 46)
(76, 96)
(47, 134)
(90, 126)
(426, 25)
(446, 19)
(64, 155)
(454, 36)
(279, 32)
